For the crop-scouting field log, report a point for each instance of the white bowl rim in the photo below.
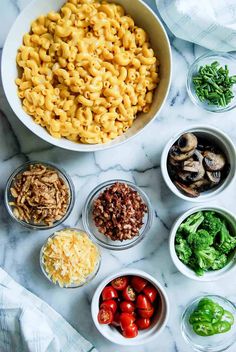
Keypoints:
(73, 146)
(208, 276)
(129, 271)
(214, 192)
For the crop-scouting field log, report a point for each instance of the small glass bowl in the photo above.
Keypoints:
(88, 279)
(214, 343)
(101, 239)
(63, 175)
(223, 59)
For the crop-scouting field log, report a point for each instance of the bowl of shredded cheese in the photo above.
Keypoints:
(69, 258)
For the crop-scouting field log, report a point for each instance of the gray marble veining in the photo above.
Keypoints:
(138, 161)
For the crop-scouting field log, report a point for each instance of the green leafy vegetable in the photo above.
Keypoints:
(203, 242)
(213, 84)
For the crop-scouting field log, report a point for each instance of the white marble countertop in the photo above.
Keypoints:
(138, 161)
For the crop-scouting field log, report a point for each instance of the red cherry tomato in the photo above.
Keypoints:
(109, 304)
(138, 283)
(146, 313)
(109, 293)
(143, 323)
(116, 320)
(126, 319)
(105, 316)
(143, 302)
(129, 294)
(120, 283)
(150, 292)
(131, 331)
(126, 306)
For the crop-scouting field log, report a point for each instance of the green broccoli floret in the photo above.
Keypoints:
(192, 223)
(193, 264)
(227, 242)
(200, 240)
(206, 257)
(178, 237)
(211, 223)
(219, 262)
(183, 250)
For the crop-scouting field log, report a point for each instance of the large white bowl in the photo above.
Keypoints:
(184, 269)
(143, 16)
(144, 336)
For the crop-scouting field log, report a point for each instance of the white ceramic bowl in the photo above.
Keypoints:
(221, 140)
(210, 275)
(143, 17)
(144, 336)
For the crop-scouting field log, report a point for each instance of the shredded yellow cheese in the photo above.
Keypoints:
(70, 257)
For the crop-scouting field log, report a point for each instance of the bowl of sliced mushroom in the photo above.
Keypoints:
(199, 163)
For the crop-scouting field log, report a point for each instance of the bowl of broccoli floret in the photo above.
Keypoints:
(203, 243)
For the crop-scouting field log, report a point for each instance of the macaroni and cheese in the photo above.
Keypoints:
(86, 71)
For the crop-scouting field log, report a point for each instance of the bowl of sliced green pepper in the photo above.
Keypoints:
(211, 82)
(209, 324)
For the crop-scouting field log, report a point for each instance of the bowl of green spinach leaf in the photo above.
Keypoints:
(203, 243)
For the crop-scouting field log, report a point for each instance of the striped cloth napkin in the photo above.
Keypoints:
(27, 324)
(209, 23)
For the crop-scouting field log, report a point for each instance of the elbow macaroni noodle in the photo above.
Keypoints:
(86, 71)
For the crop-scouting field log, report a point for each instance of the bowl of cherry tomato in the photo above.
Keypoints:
(130, 307)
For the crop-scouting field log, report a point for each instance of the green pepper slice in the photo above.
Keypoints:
(218, 312)
(228, 316)
(203, 329)
(206, 309)
(199, 316)
(221, 327)
(204, 301)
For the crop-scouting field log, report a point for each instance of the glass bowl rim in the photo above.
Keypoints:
(95, 191)
(190, 304)
(93, 275)
(61, 171)
(194, 99)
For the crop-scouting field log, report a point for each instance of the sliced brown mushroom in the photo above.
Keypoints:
(194, 163)
(213, 161)
(187, 190)
(200, 185)
(176, 154)
(187, 142)
(173, 162)
(214, 176)
(191, 165)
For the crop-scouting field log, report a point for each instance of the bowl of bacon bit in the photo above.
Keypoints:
(39, 195)
(117, 214)
(130, 307)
